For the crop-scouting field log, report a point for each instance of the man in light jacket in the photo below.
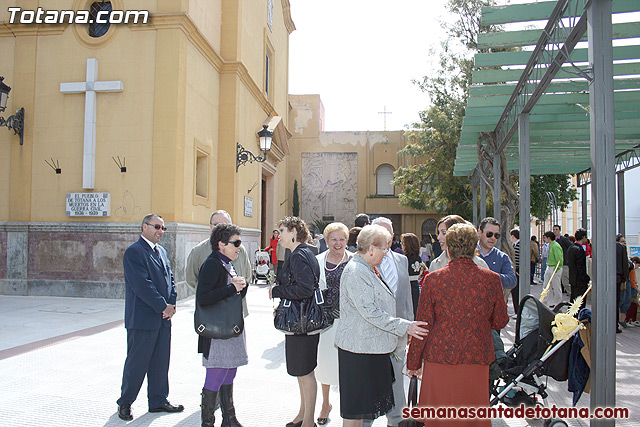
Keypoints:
(201, 252)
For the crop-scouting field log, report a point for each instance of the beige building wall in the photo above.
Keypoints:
(372, 149)
(196, 82)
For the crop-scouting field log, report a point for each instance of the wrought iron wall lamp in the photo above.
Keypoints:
(16, 121)
(243, 156)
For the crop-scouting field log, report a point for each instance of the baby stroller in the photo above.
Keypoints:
(532, 356)
(261, 268)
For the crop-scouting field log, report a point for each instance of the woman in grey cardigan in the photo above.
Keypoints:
(368, 332)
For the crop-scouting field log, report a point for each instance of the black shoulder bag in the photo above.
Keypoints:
(303, 316)
(221, 320)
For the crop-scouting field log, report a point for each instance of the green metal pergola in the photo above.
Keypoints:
(559, 119)
(563, 99)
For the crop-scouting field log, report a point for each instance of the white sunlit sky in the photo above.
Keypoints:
(361, 56)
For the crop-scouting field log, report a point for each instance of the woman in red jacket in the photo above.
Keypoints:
(462, 303)
(272, 248)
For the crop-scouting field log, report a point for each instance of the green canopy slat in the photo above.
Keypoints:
(548, 109)
(549, 99)
(539, 11)
(485, 121)
(560, 86)
(567, 71)
(497, 59)
(559, 124)
(530, 37)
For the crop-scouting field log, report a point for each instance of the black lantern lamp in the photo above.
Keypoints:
(16, 121)
(243, 156)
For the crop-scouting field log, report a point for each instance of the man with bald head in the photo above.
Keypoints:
(199, 254)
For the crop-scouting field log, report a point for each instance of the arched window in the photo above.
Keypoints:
(384, 176)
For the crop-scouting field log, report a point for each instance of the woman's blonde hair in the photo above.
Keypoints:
(335, 226)
(462, 240)
(373, 235)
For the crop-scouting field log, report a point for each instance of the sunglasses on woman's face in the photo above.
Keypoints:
(235, 243)
(491, 234)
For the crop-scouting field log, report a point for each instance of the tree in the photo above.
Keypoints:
(430, 184)
(296, 199)
(557, 184)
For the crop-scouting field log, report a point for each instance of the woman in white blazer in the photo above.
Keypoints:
(368, 332)
(332, 263)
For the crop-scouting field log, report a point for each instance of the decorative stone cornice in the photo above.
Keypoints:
(182, 22)
(15, 30)
(96, 227)
(106, 227)
(240, 70)
(286, 12)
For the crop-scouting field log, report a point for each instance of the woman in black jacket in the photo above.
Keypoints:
(296, 281)
(218, 280)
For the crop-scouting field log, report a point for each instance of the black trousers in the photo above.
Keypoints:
(147, 355)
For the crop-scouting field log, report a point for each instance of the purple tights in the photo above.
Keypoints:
(219, 376)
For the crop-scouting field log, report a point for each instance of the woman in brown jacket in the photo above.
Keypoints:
(462, 303)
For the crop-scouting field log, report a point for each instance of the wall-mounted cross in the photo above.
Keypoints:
(90, 88)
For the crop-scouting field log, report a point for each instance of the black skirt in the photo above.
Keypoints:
(301, 353)
(365, 385)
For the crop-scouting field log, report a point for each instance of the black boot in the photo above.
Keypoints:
(208, 405)
(226, 404)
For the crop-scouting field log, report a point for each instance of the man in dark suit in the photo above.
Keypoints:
(577, 262)
(150, 302)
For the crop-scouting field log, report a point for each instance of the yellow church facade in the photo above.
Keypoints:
(126, 119)
(341, 174)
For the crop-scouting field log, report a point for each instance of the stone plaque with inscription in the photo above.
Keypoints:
(88, 204)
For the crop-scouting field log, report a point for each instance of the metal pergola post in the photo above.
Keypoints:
(483, 200)
(525, 204)
(475, 204)
(603, 187)
(585, 204)
(621, 210)
(497, 191)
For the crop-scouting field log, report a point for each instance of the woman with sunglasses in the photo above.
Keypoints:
(218, 280)
(296, 281)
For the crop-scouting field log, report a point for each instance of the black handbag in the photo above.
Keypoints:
(221, 320)
(301, 317)
(412, 402)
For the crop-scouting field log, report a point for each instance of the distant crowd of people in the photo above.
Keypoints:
(433, 304)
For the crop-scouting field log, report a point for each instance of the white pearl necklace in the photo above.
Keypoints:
(337, 265)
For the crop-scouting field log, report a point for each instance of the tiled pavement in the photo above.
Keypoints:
(61, 365)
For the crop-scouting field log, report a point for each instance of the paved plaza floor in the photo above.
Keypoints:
(61, 364)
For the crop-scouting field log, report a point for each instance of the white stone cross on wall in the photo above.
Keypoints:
(90, 88)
